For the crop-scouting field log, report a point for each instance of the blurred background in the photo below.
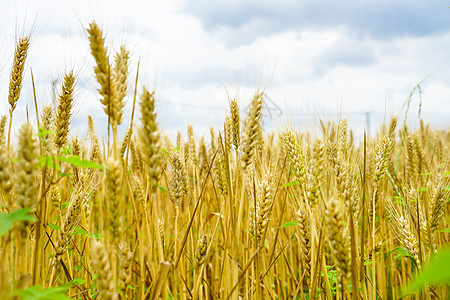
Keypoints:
(360, 60)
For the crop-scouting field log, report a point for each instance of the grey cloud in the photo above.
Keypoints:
(348, 51)
(382, 19)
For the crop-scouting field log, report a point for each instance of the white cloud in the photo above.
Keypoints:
(331, 70)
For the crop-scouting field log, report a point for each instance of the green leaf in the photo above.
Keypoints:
(81, 231)
(43, 133)
(437, 272)
(401, 251)
(446, 230)
(289, 224)
(7, 220)
(78, 162)
(35, 293)
(77, 281)
(162, 189)
(289, 184)
(54, 226)
(66, 174)
(96, 235)
(423, 189)
(48, 162)
(66, 150)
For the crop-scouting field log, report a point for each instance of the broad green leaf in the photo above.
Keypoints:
(436, 272)
(7, 220)
(78, 162)
(35, 293)
(289, 224)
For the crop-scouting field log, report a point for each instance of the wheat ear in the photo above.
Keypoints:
(150, 137)
(64, 111)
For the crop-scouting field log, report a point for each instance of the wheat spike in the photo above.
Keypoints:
(200, 251)
(178, 182)
(235, 123)
(64, 111)
(25, 175)
(150, 137)
(251, 127)
(15, 84)
(337, 237)
(113, 185)
(304, 225)
(105, 282)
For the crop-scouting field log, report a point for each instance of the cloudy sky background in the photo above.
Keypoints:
(314, 58)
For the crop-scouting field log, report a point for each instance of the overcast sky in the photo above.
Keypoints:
(314, 58)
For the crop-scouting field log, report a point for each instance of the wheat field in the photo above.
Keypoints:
(239, 214)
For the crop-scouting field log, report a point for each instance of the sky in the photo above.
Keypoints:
(358, 60)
